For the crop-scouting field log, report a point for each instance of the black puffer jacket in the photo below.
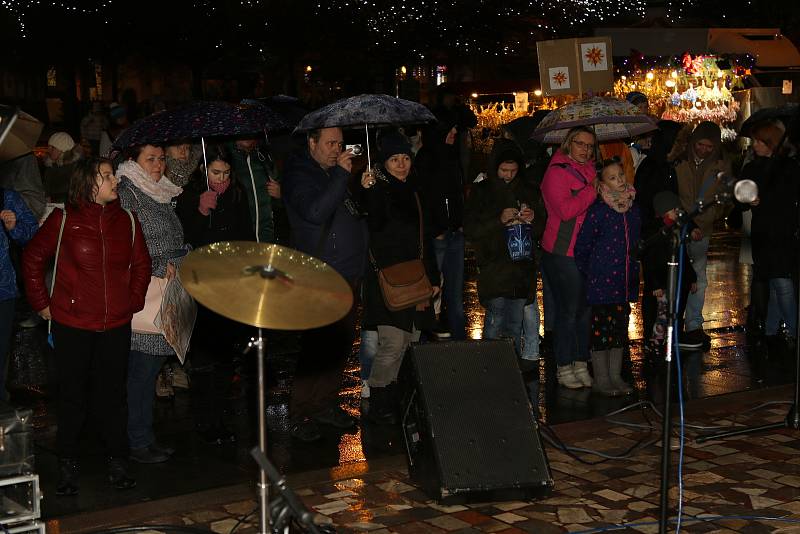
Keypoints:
(442, 181)
(393, 222)
(499, 276)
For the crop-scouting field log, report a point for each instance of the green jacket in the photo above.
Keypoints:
(255, 186)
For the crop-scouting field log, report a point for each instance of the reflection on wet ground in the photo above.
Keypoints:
(192, 419)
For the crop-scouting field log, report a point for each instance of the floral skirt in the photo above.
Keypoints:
(610, 326)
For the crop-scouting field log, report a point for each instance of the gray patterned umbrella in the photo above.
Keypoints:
(366, 110)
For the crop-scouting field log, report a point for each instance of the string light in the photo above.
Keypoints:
(19, 9)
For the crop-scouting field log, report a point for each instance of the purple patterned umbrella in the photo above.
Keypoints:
(366, 110)
(199, 119)
(611, 119)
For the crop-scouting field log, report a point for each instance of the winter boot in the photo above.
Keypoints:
(118, 474)
(615, 371)
(602, 382)
(582, 373)
(381, 406)
(68, 483)
(566, 377)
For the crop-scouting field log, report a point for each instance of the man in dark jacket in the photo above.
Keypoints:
(501, 200)
(325, 224)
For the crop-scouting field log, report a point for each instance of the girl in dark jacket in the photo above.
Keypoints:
(603, 255)
(101, 278)
(394, 232)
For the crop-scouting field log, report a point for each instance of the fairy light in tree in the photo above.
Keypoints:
(20, 9)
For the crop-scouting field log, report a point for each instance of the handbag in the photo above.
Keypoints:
(405, 284)
(144, 321)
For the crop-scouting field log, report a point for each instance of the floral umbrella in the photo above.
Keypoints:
(610, 118)
(199, 119)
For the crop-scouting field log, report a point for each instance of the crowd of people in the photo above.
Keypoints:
(565, 213)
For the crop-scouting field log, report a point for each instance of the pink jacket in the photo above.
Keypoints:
(567, 191)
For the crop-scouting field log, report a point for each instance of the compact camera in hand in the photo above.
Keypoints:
(357, 150)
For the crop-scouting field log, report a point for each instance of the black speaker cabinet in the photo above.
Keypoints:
(469, 430)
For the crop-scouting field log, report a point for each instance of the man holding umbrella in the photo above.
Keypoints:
(325, 224)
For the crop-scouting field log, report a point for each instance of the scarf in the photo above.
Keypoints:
(221, 187)
(161, 191)
(619, 201)
(180, 172)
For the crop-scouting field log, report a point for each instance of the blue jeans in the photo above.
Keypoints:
(549, 303)
(367, 351)
(530, 331)
(503, 318)
(6, 328)
(143, 371)
(782, 306)
(450, 260)
(573, 315)
(698, 252)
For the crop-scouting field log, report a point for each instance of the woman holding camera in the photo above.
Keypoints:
(394, 219)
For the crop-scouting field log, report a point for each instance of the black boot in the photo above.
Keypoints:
(381, 407)
(68, 483)
(118, 474)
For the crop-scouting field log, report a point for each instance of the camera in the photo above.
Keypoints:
(356, 149)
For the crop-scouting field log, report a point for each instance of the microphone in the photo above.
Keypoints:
(745, 191)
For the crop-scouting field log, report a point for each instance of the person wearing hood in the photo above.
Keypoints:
(442, 183)
(62, 156)
(568, 191)
(394, 216)
(505, 286)
(697, 176)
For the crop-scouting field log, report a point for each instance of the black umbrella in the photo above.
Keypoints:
(365, 111)
(785, 113)
(199, 119)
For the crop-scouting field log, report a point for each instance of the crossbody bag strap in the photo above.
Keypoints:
(55, 265)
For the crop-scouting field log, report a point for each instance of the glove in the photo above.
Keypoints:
(208, 202)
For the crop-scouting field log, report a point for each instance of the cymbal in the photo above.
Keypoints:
(265, 285)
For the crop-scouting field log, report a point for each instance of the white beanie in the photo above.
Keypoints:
(62, 141)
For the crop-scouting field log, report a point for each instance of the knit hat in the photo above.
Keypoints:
(707, 130)
(394, 143)
(636, 98)
(665, 201)
(62, 141)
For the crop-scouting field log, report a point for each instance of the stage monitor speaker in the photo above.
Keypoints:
(469, 430)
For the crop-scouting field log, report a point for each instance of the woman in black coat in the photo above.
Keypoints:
(393, 220)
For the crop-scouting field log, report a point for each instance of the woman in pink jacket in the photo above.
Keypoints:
(568, 191)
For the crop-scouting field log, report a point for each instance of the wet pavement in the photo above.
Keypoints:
(191, 419)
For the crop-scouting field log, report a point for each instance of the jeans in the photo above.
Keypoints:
(573, 315)
(450, 261)
(503, 318)
(782, 306)
(367, 351)
(530, 330)
(6, 328)
(143, 371)
(698, 253)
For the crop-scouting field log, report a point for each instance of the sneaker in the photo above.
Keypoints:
(364, 389)
(692, 340)
(68, 483)
(118, 475)
(148, 455)
(582, 373)
(305, 430)
(566, 377)
(335, 417)
(169, 451)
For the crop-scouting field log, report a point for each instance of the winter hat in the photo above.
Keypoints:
(665, 201)
(115, 111)
(62, 141)
(394, 143)
(636, 98)
(707, 130)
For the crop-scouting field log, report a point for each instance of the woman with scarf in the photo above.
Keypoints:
(394, 218)
(603, 256)
(568, 191)
(145, 190)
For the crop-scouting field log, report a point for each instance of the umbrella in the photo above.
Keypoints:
(198, 119)
(288, 107)
(19, 132)
(611, 119)
(784, 113)
(264, 114)
(366, 111)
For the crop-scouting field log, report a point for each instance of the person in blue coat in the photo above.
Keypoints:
(603, 249)
(18, 224)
